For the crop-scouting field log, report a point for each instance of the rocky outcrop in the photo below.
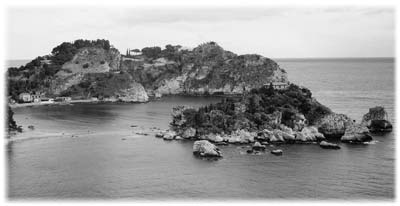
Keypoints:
(287, 133)
(204, 148)
(356, 133)
(213, 138)
(169, 135)
(207, 69)
(333, 125)
(309, 134)
(134, 93)
(277, 136)
(377, 120)
(377, 126)
(88, 60)
(240, 136)
(375, 113)
(91, 60)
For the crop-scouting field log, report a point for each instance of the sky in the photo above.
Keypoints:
(274, 32)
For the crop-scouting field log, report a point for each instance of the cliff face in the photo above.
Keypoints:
(207, 69)
(85, 69)
(88, 60)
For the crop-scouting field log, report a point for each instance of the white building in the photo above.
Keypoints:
(25, 97)
(278, 85)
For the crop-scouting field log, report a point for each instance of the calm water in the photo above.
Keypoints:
(91, 151)
(17, 62)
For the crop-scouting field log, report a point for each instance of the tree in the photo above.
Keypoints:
(12, 125)
(152, 52)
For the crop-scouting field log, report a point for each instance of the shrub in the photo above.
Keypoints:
(86, 65)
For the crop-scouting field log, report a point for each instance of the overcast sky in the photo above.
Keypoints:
(272, 32)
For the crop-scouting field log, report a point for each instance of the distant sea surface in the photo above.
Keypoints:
(86, 151)
(17, 62)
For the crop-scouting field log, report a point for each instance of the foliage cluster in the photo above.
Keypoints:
(260, 106)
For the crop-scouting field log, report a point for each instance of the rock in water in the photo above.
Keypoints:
(333, 125)
(287, 133)
(380, 126)
(375, 113)
(377, 120)
(205, 148)
(258, 147)
(356, 134)
(170, 135)
(277, 136)
(277, 152)
(159, 135)
(328, 145)
(309, 134)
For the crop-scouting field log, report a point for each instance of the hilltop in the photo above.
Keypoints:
(206, 69)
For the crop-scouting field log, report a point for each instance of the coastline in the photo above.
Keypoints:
(66, 103)
(52, 103)
(151, 98)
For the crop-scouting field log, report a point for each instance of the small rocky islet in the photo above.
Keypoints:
(326, 130)
(246, 121)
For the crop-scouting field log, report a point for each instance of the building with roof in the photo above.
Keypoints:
(25, 97)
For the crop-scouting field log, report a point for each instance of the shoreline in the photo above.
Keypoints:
(64, 103)
(34, 104)
(52, 103)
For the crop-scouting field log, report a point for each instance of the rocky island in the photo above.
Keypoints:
(260, 107)
(268, 116)
(87, 69)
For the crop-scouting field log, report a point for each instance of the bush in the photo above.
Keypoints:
(12, 125)
(86, 65)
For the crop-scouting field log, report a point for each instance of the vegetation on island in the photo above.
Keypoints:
(85, 69)
(101, 85)
(253, 111)
(206, 66)
(38, 74)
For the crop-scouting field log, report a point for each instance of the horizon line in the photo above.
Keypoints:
(288, 58)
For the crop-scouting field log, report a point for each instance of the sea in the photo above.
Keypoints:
(108, 151)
